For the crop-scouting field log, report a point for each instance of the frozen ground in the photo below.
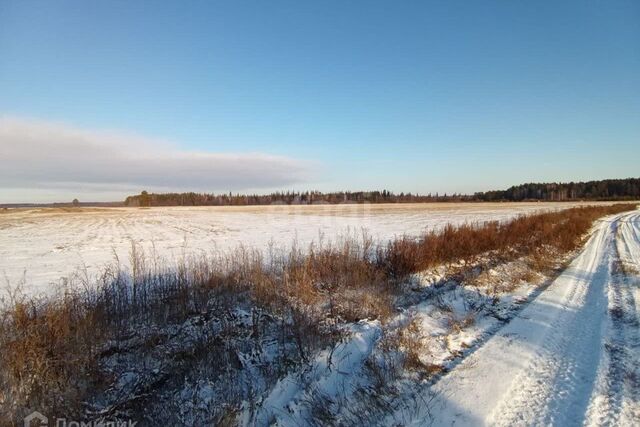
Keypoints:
(40, 246)
(497, 342)
(564, 353)
(569, 358)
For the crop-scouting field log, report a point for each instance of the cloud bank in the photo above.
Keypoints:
(40, 155)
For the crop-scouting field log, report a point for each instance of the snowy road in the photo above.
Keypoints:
(571, 357)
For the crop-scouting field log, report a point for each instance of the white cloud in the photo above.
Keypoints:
(46, 156)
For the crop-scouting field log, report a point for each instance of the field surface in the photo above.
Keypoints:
(38, 247)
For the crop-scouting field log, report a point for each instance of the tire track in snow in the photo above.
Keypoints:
(617, 401)
(614, 399)
(555, 388)
(548, 363)
(607, 400)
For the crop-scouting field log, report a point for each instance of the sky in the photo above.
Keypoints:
(103, 99)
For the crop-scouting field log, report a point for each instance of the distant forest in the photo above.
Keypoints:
(609, 189)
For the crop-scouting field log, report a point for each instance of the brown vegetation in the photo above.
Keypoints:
(50, 349)
(525, 235)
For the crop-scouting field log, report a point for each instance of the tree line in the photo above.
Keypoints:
(284, 198)
(609, 189)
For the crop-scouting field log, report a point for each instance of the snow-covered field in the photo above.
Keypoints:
(496, 342)
(40, 246)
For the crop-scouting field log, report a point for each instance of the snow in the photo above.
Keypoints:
(332, 375)
(553, 363)
(38, 247)
(510, 346)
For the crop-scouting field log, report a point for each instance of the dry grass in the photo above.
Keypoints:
(409, 346)
(457, 325)
(410, 342)
(44, 347)
(525, 235)
(50, 349)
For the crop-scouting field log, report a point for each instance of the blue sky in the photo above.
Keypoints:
(411, 96)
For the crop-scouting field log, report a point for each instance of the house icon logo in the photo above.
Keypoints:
(35, 419)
